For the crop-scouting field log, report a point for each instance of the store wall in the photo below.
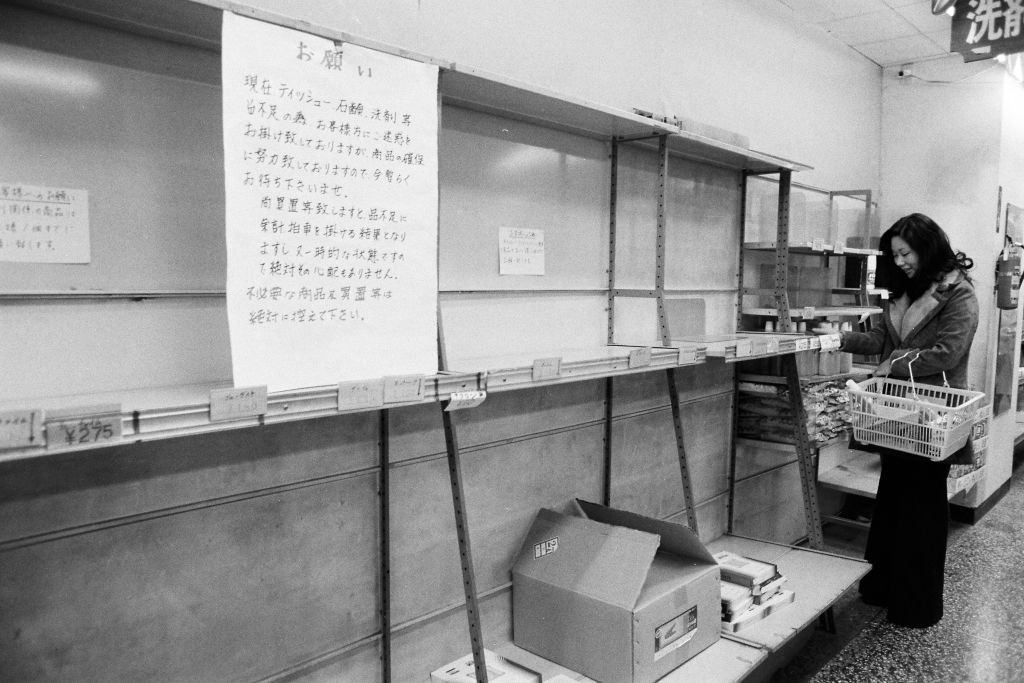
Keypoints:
(743, 66)
(946, 152)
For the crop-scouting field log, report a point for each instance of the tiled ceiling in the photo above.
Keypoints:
(888, 32)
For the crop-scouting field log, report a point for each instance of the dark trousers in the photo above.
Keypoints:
(907, 540)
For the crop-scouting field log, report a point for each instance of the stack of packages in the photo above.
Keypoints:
(765, 414)
(964, 477)
(751, 590)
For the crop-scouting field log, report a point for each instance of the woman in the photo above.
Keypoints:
(930, 320)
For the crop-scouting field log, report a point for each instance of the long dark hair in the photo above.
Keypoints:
(936, 257)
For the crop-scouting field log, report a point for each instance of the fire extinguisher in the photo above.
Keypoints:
(1008, 276)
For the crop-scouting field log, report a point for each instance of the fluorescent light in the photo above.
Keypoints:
(22, 73)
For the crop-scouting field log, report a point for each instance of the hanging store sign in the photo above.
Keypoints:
(982, 29)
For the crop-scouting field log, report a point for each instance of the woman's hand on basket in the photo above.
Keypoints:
(883, 369)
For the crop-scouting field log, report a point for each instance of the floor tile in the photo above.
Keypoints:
(980, 638)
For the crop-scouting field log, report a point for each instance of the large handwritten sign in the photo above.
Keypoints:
(43, 224)
(331, 200)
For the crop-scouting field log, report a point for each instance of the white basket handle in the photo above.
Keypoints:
(945, 380)
(910, 370)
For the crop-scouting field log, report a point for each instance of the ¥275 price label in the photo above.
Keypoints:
(83, 431)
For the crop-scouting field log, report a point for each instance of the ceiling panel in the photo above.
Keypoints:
(888, 32)
(870, 28)
(901, 50)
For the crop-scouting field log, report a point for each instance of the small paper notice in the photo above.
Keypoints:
(640, 358)
(230, 404)
(43, 224)
(403, 388)
(520, 251)
(354, 395)
(687, 356)
(545, 368)
(20, 428)
(465, 399)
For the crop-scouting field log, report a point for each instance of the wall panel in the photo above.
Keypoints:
(222, 591)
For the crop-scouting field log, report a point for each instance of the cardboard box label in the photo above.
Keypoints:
(675, 633)
(545, 548)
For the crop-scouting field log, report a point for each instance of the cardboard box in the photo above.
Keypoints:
(614, 595)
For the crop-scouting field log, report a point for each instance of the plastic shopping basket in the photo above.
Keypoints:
(922, 419)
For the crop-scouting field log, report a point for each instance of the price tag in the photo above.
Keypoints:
(829, 342)
(687, 356)
(545, 368)
(80, 427)
(355, 395)
(818, 244)
(808, 312)
(21, 428)
(772, 346)
(403, 388)
(743, 348)
(233, 404)
(803, 343)
(840, 248)
(465, 399)
(812, 343)
(640, 358)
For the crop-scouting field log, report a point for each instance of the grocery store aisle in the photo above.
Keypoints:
(980, 638)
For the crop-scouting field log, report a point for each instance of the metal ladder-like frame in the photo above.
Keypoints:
(657, 293)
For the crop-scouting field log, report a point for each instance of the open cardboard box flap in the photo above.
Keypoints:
(675, 538)
(604, 562)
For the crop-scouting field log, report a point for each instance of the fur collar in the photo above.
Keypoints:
(906, 318)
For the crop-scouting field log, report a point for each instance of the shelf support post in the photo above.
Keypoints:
(666, 332)
(465, 552)
(782, 255)
(659, 262)
(808, 480)
(612, 218)
(609, 384)
(461, 523)
(385, 546)
(684, 469)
